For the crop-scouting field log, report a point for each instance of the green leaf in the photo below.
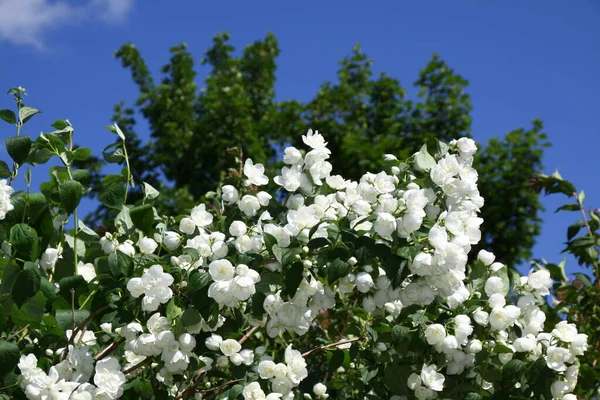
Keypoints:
(18, 148)
(502, 349)
(423, 160)
(473, 396)
(143, 218)
(70, 193)
(113, 154)
(119, 264)
(25, 113)
(513, 370)
(337, 269)
(9, 357)
(318, 242)
(336, 360)
(69, 319)
(568, 207)
(236, 392)
(24, 241)
(574, 229)
(399, 333)
(285, 255)
(190, 317)
(81, 153)
(198, 280)
(9, 116)
(113, 194)
(31, 312)
(4, 170)
(292, 279)
(27, 284)
(173, 311)
(149, 191)
(557, 272)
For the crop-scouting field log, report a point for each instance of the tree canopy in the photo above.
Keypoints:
(192, 129)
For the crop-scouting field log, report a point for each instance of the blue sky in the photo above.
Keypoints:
(523, 59)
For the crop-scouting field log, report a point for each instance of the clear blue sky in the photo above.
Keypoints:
(524, 59)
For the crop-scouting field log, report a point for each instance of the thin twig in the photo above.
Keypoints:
(108, 349)
(590, 233)
(17, 333)
(138, 365)
(308, 353)
(248, 334)
(80, 327)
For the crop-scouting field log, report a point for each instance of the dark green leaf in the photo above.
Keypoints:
(399, 333)
(70, 319)
(27, 283)
(285, 255)
(70, 193)
(198, 280)
(292, 279)
(81, 153)
(513, 370)
(18, 148)
(568, 207)
(119, 264)
(4, 170)
(9, 357)
(143, 218)
(9, 116)
(318, 242)
(190, 317)
(336, 360)
(24, 240)
(236, 392)
(337, 269)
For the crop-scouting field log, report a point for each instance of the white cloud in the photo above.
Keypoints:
(25, 22)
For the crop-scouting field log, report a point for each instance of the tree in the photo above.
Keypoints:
(362, 117)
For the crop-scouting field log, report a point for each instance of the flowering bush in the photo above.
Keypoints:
(274, 287)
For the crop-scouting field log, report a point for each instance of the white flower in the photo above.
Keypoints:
(86, 270)
(49, 258)
(252, 391)
(148, 245)
(364, 282)
(187, 225)
(494, 285)
(502, 317)
(106, 327)
(556, 357)
(172, 240)
(5, 204)
(229, 347)
(230, 194)
(314, 140)
(200, 216)
(319, 389)
(237, 228)
(290, 178)
(249, 205)
(221, 270)
(466, 146)
(255, 173)
(431, 378)
(435, 333)
(154, 284)
(540, 281)
(109, 378)
(565, 331)
(385, 225)
(486, 257)
(291, 155)
(214, 342)
(127, 248)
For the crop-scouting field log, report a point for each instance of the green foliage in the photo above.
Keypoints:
(235, 113)
(580, 297)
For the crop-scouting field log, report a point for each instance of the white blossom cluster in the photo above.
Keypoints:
(440, 222)
(5, 204)
(68, 380)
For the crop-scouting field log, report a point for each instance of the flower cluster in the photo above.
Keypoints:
(390, 249)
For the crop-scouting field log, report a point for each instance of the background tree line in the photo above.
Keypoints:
(192, 130)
